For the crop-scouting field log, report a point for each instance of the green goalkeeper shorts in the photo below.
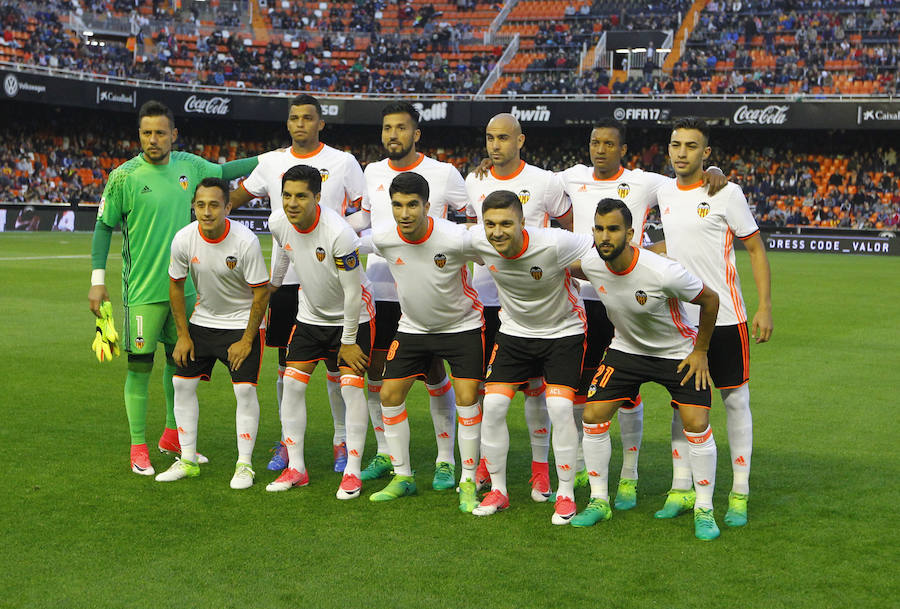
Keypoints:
(149, 324)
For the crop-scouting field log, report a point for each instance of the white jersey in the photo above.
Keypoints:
(542, 196)
(224, 271)
(638, 189)
(447, 190)
(644, 303)
(538, 298)
(700, 231)
(433, 278)
(321, 253)
(342, 181)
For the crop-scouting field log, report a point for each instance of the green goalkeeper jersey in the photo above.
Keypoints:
(152, 203)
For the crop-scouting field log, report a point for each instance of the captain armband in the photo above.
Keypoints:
(348, 262)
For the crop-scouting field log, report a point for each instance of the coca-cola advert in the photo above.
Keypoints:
(216, 106)
(762, 115)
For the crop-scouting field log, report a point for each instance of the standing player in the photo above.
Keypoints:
(700, 229)
(150, 196)
(333, 319)
(608, 178)
(441, 318)
(541, 334)
(399, 135)
(643, 292)
(542, 196)
(227, 266)
(343, 185)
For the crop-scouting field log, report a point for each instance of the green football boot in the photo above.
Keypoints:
(736, 516)
(598, 510)
(705, 527)
(582, 480)
(379, 467)
(444, 476)
(468, 498)
(400, 486)
(677, 502)
(626, 495)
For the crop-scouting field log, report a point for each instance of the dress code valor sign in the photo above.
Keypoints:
(833, 244)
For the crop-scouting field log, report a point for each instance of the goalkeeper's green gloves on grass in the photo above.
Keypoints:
(106, 341)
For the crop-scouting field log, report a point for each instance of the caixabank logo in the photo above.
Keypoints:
(882, 115)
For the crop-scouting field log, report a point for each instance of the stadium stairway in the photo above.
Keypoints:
(684, 32)
(261, 32)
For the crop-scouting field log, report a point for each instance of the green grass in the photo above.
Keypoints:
(81, 531)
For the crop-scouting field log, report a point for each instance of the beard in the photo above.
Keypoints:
(399, 154)
(616, 251)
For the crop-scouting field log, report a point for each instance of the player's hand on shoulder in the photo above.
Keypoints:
(183, 353)
(483, 168)
(238, 352)
(698, 367)
(354, 358)
(714, 180)
(97, 295)
(762, 326)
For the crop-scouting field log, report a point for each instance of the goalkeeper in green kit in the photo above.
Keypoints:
(150, 196)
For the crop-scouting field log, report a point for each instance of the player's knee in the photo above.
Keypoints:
(244, 392)
(140, 362)
(392, 394)
(466, 396)
(595, 413)
(694, 420)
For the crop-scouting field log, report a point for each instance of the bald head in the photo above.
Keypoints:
(504, 140)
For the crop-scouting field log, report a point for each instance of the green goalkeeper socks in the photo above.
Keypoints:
(169, 390)
(137, 385)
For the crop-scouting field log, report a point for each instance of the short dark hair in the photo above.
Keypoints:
(402, 107)
(156, 108)
(306, 100)
(611, 123)
(692, 122)
(213, 183)
(502, 199)
(606, 206)
(410, 183)
(304, 173)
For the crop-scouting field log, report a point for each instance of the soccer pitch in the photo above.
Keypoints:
(80, 530)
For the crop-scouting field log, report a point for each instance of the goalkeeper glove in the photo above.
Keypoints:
(106, 340)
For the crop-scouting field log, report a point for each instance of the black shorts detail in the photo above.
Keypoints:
(311, 343)
(282, 315)
(729, 356)
(515, 360)
(600, 333)
(211, 344)
(491, 326)
(387, 317)
(620, 375)
(410, 355)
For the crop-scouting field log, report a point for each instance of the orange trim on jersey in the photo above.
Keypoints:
(258, 285)
(221, 238)
(625, 399)
(415, 163)
(594, 429)
(734, 386)
(745, 349)
(471, 293)
(536, 391)
(560, 391)
(308, 155)
(352, 380)
(684, 329)
(573, 298)
(510, 176)
(679, 404)
(689, 186)
(640, 236)
(615, 177)
(694, 299)
(297, 375)
(314, 224)
(701, 439)
(396, 419)
(241, 185)
(175, 279)
(750, 235)
(731, 279)
(568, 212)
(524, 246)
(507, 389)
(424, 238)
(334, 378)
(631, 266)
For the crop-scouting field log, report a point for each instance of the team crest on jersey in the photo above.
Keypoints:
(641, 297)
(524, 196)
(537, 272)
(231, 262)
(622, 190)
(324, 173)
(440, 260)
(320, 254)
(183, 180)
(139, 342)
(102, 207)
(703, 209)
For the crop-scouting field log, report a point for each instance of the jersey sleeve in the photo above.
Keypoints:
(457, 196)
(738, 215)
(655, 183)
(255, 183)
(204, 168)
(680, 283)
(557, 201)
(571, 246)
(345, 249)
(179, 260)
(255, 272)
(467, 248)
(367, 177)
(354, 182)
(112, 203)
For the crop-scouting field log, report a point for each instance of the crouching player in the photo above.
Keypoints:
(226, 265)
(642, 293)
(333, 319)
(441, 317)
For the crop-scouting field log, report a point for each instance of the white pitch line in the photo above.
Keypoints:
(71, 257)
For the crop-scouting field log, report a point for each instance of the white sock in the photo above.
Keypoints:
(396, 432)
(681, 455)
(739, 424)
(495, 438)
(357, 414)
(187, 415)
(279, 390)
(469, 439)
(565, 441)
(631, 427)
(246, 420)
(597, 452)
(538, 420)
(577, 413)
(293, 416)
(374, 404)
(703, 465)
(338, 408)
(442, 401)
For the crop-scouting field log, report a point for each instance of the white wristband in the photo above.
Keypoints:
(98, 277)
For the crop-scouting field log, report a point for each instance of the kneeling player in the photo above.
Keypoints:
(642, 292)
(333, 320)
(441, 317)
(227, 266)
